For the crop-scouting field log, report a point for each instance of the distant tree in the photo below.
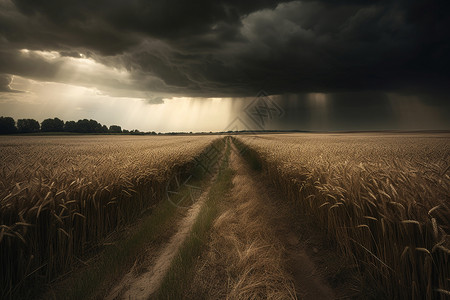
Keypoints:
(125, 131)
(27, 125)
(115, 129)
(85, 126)
(95, 127)
(52, 125)
(88, 126)
(70, 126)
(7, 125)
(82, 126)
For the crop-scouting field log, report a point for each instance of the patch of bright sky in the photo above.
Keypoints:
(71, 102)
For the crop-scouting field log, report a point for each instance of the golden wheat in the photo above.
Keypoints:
(384, 199)
(60, 195)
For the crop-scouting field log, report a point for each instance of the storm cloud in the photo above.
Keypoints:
(235, 48)
(366, 57)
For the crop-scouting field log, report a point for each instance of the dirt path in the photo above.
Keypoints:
(257, 250)
(253, 253)
(144, 284)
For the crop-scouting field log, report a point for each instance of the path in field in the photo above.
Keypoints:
(253, 252)
(256, 250)
(142, 281)
(143, 285)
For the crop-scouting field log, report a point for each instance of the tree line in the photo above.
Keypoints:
(9, 126)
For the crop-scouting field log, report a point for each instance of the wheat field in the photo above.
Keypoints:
(382, 198)
(60, 195)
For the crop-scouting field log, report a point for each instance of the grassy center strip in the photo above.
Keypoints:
(181, 272)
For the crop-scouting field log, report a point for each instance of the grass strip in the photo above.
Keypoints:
(181, 272)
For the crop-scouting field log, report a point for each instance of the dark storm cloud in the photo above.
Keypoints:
(32, 65)
(162, 18)
(38, 31)
(235, 48)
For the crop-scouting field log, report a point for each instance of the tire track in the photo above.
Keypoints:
(145, 284)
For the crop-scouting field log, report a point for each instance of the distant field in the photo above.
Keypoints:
(60, 194)
(383, 198)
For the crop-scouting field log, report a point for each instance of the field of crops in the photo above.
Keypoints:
(59, 195)
(384, 200)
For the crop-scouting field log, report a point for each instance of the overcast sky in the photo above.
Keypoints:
(173, 65)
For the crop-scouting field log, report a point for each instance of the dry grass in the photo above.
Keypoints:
(60, 195)
(251, 255)
(384, 199)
